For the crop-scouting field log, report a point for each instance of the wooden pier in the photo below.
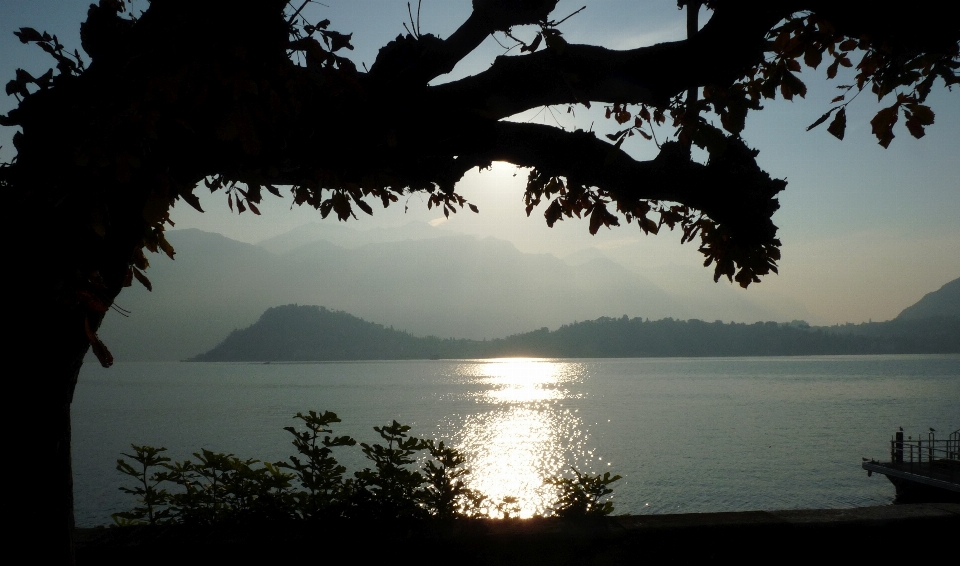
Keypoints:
(922, 469)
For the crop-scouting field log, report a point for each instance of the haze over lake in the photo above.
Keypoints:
(416, 278)
(687, 435)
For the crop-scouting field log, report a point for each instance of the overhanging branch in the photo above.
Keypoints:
(731, 188)
(426, 57)
(732, 41)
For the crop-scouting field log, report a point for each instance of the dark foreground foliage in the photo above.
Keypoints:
(220, 488)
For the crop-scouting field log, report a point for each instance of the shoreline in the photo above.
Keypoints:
(882, 532)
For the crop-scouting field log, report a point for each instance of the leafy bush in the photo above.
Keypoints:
(149, 497)
(323, 487)
(218, 487)
(581, 496)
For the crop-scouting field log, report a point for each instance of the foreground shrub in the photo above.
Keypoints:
(582, 496)
(218, 487)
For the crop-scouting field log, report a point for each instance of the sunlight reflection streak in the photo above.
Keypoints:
(527, 436)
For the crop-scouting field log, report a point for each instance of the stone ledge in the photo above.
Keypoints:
(749, 536)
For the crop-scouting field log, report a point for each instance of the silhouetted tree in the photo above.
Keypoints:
(243, 96)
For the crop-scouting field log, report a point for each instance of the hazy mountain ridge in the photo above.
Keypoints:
(447, 285)
(313, 333)
(932, 323)
(346, 237)
(944, 302)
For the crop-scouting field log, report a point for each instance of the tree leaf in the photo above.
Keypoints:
(191, 199)
(839, 124)
(812, 57)
(27, 35)
(596, 218)
(165, 245)
(916, 128)
(99, 348)
(553, 212)
(364, 206)
(792, 84)
(918, 116)
(142, 278)
(734, 119)
(820, 120)
(922, 114)
(882, 124)
(338, 40)
(832, 69)
(273, 190)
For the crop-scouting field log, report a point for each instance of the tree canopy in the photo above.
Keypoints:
(245, 96)
(168, 102)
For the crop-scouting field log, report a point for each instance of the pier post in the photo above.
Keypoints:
(898, 453)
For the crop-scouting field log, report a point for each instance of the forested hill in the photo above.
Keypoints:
(622, 337)
(312, 333)
(945, 301)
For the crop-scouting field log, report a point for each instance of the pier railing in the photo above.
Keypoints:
(927, 456)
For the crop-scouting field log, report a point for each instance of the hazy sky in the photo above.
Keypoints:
(865, 231)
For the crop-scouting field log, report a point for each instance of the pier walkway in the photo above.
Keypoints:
(922, 469)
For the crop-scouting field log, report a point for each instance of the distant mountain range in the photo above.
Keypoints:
(422, 279)
(313, 333)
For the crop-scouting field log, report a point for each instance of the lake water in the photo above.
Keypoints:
(686, 434)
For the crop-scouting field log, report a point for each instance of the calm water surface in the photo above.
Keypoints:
(686, 434)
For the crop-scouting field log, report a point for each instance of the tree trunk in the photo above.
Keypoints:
(51, 346)
(50, 331)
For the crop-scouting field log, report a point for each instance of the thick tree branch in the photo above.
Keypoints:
(731, 42)
(488, 16)
(417, 61)
(738, 193)
(728, 45)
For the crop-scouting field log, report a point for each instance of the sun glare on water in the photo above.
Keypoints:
(525, 435)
